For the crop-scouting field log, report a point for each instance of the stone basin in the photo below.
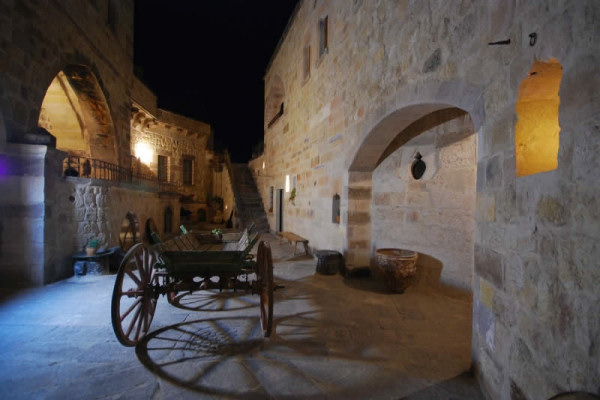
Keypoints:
(398, 267)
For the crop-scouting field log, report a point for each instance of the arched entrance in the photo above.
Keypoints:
(431, 211)
(75, 111)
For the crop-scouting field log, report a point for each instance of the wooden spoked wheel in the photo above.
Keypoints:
(265, 287)
(134, 295)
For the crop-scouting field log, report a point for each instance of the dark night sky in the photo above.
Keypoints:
(206, 59)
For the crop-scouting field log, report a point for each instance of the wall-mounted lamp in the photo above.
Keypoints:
(144, 152)
(287, 183)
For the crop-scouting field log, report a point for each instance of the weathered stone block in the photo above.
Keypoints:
(493, 173)
(358, 218)
(359, 193)
(488, 264)
(552, 210)
(433, 62)
(486, 207)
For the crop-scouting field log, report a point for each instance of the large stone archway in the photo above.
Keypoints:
(412, 111)
(76, 112)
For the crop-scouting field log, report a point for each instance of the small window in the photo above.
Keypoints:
(335, 209)
(323, 39)
(537, 134)
(163, 163)
(271, 190)
(188, 171)
(306, 63)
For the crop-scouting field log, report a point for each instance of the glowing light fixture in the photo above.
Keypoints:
(287, 183)
(263, 165)
(144, 152)
(537, 131)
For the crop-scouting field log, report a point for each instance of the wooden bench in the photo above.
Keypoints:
(292, 237)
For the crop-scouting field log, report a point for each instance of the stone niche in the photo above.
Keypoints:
(433, 214)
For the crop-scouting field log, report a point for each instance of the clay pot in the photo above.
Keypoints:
(90, 251)
(398, 267)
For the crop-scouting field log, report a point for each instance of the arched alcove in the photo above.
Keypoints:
(396, 199)
(433, 212)
(274, 103)
(537, 130)
(75, 111)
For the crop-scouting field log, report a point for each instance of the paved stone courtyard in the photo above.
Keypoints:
(334, 338)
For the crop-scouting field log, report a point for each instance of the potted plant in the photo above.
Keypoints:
(92, 247)
(292, 198)
(218, 233)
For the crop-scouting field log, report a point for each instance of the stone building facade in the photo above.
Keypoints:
(67, 67)
(499, 100)
(178, 143)
(92, 44)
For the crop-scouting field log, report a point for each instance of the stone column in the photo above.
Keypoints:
(22, 214)
(358, 218)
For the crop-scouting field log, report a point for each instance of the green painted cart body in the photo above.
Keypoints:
(188, 263)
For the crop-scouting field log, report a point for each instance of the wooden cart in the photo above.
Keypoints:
(187, 263)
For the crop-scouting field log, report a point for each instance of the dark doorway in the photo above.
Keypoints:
(279, 212)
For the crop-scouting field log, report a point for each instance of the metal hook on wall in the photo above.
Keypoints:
(532, 39)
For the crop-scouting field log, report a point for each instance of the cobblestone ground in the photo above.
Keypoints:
(334, 338)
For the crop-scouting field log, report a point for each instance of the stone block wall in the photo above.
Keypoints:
(221, 186)
(79, 209)
(391, 63)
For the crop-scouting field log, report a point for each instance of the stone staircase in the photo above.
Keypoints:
(249, 203)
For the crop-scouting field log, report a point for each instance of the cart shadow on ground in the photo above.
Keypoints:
(214, 300)
(322, 345)
(229, 358)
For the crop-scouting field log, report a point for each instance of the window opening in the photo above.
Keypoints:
(306, 63)
(188, 171)
(323, 39)
(335, 209)
(537, 130)
(271, 191)
(163, 163)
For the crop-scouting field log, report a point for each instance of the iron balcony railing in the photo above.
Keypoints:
(85, 167)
